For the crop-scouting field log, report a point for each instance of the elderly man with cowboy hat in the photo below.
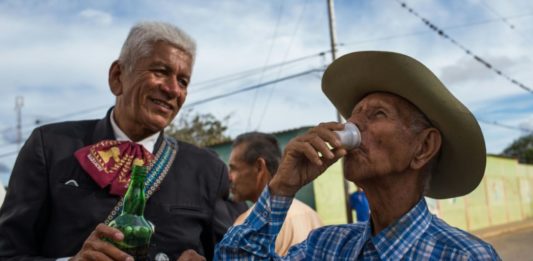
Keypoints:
(417, 140)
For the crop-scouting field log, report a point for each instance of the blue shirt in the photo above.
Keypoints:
(418, 235)
(359, 203)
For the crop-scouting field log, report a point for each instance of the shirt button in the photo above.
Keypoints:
(161, 257)
(265, 214)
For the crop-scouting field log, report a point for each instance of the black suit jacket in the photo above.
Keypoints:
(42, 217)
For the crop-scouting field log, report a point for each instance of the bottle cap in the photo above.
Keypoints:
(138, 162)
(350, 137)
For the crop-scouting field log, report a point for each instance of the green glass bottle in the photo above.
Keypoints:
(136, 229)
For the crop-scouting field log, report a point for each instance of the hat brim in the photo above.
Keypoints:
(461, 163)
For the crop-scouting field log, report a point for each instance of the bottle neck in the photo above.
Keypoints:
(134, 199)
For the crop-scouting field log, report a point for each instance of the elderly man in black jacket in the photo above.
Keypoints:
(69, 176)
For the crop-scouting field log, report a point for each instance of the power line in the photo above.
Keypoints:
(247, 73)
(501, 18)
(228, 77)
(479, 59)
(495, 123)
(487, 21)
(389, 37)
(504, 20)
(214, 82)
(266, 62)
(253, 87)
(296, 28)
(61, 117)
(72, 114)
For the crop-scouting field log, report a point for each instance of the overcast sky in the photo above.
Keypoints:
(56, 55)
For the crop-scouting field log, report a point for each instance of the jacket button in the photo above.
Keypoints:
(161, 257)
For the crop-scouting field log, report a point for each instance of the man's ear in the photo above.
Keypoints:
(262, 170)
(430, 142)
(115, 80)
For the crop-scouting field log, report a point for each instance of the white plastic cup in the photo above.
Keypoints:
(350, 137)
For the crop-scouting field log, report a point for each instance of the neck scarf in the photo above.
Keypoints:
(109, 163)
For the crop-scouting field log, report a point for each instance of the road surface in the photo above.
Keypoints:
(516, 245)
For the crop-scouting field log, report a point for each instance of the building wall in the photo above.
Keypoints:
(504, 195)
(330, 196)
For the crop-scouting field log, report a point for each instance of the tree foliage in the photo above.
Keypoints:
(522, 148)
(199, 129)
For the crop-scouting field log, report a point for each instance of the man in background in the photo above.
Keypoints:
(253, 162)
(359, 203)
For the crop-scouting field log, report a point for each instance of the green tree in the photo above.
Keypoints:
(199, 129)
(522, 148)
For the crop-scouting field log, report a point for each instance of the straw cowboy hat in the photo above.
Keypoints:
(461, 164)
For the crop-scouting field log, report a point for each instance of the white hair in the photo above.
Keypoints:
(144, 35)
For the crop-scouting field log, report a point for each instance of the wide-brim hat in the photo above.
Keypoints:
(461, 163)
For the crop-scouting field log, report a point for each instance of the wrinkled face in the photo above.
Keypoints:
(243, 176)
(150, 96)
(387, 140)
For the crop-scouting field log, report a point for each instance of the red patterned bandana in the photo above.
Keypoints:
(109, 162)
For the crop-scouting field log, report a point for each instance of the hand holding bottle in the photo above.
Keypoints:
(128, 235)
(136, 230)
(96, 248)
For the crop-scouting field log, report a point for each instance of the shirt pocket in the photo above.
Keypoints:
(175, 213)
(177, 227)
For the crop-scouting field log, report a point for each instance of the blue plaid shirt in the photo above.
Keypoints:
(418, 235)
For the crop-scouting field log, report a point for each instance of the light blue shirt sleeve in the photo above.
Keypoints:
(255, 238)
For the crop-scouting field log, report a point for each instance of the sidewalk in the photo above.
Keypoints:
(503, 228)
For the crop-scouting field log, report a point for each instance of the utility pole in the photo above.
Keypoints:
(333, 44)
(19, 102)
(333, 38)
(332, 34)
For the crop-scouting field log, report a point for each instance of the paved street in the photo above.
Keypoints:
(516, 245)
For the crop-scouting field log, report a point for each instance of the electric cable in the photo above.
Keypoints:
(495, 123)
(408, 34)
(296, 27)
(253, 87)
(476, 57)
(215, 82)
(501, 18)
(274, 37)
